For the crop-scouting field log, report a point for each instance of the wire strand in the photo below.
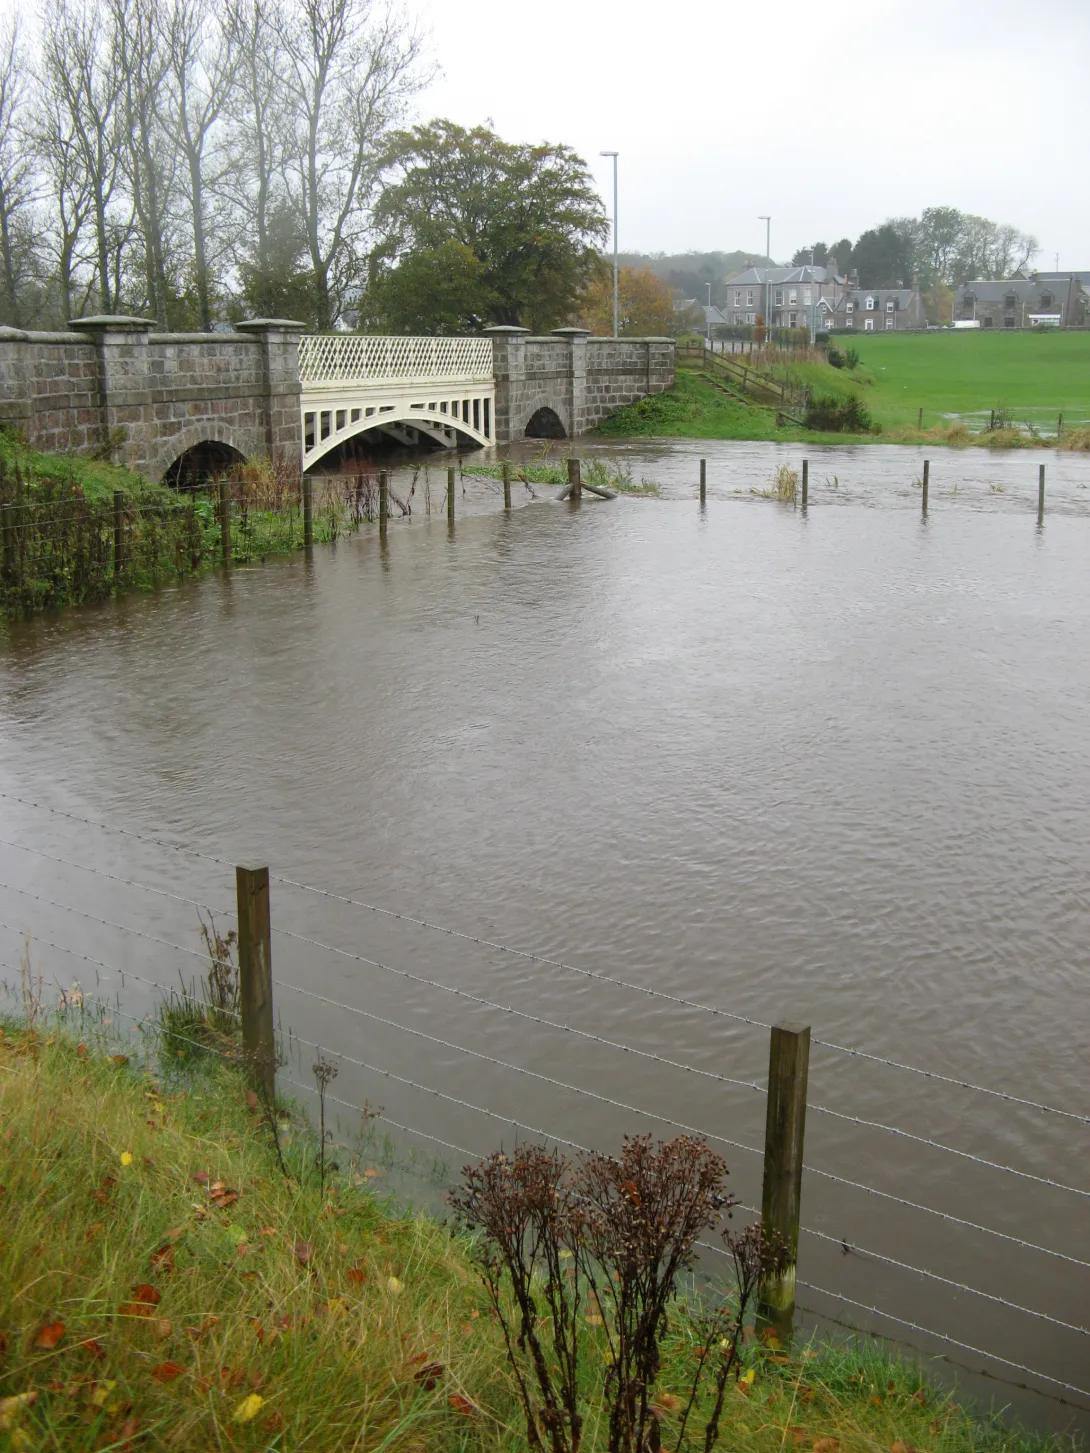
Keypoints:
(502, 1008)
(943, 1337)
(106, 922)
(115, 877)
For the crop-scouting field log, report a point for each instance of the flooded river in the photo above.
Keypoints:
(830, 768)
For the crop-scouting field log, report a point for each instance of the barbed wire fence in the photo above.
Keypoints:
(34, 921)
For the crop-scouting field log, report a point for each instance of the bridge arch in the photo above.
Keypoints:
(545, 423)
(201, 448)
(325, 429)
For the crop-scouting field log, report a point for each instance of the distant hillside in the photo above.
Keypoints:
(691, 272)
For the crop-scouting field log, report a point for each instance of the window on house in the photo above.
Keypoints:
(1046, 300)
(868, 325)
(989, 322)
(851, 306)
(737, 297)
(890, 305)
(793, 296)
(870, 305)
(849, 322)
(807, 296)
(749, 298)
(890, 321)
(1008, 322)
(779, 297)
(1011, 301)
(794, 320)
(751, 317)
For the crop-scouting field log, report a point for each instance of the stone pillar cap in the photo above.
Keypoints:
(267, 324)
(505, 328)
(573, 332)
(113, 323)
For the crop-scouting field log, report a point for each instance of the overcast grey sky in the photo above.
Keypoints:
(829, 116)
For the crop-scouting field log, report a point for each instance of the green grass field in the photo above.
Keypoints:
(1034, 376)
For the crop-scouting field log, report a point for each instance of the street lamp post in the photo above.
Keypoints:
(709, 286)
(768, 283)
(616, 291)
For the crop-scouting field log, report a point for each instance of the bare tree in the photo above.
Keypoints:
(202, 45)
(350, 70)
(81, 92)
(16, 165)
(259, 126)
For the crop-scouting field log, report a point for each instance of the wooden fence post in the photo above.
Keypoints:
(506, 485)
(805, 482)
(926, 482)
(383, 501)
(703, 481)
(1060, 427)
(255, 976)
(450, 496)
(919, 420)
(225, 520)
(8, 513)
(1041, 495)
(308, 513)
(575, 480)
(119, 526)
(781, 1196)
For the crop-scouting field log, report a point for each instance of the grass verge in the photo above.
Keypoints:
(164, 1285)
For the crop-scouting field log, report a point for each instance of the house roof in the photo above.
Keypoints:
(1082, 273)
(995, 290)
(901, 299)
(759, 276)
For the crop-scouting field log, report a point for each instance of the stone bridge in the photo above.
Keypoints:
(164, 403)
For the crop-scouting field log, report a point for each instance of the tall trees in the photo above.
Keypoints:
(16, 170)
(529, 216)
(645, 303)
(940, 247)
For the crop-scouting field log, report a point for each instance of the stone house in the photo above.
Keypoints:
(791, 295)
(1019, 302)
(875, 310)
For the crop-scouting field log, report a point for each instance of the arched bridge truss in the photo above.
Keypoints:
(409, 388)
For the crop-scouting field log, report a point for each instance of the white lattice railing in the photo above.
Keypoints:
(352, 357)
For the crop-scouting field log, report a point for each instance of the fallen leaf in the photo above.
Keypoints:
(126, 1157)
(175, 1233)
(129, 1429)
(395, 1286)
(223, 1198)
(429, 1375)
(163, 1328)
(149, 1295)
(258, 1329)
(81, 1050)
(201, 1177)
(795, 1434)
(335, 1307)
(826, 1445)
(875, 1400)
(667, 1402)
(593, 1319)
(249, 1408)
(206, 1326)
(50, 1335)
(769, 1338)
(163, 1259)
(12, 1408)
(274, 1422)
(920, 1396)
(269, 1231)
(102, 1392)
(119, 1059)
(356, 1275)
(777, 1358)
(749, 1377)
(461, 1405)
(251, 1100)
(302, 1252)
(92, 1348)
(167, 1371)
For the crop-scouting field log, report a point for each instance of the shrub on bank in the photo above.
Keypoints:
(839, 416)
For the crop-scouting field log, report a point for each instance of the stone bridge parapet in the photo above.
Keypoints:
(144, 398)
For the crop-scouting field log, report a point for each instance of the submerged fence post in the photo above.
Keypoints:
(383, 501)
(1060, 427)
(926, 482)
(1041, 495)
(308, 513)
(255, 976)
(575, 480)
(119, 526)
(450, 495)
(703, 481)
(8, 514)
(506, 485)
(225, 520)
(805, 482)
(781, 1195)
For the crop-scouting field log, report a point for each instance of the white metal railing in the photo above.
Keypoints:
(352, 357)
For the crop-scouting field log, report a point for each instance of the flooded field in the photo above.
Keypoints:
(828, 767)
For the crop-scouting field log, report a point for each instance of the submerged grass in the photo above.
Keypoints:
(163, 1284)
(542, 471)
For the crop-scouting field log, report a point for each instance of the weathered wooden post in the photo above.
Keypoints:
(1041, 495)
(703, 481)
(805, 482)
(255, 976)
(991, 424)
(308, 513)
(1060, 427)
(919, 420)
(506, 485)
(383, 501)
(926, 482)
(8, 514)
(119, 538)
(450, 496)
(225, 520)
(575, 480)
(781, 1196)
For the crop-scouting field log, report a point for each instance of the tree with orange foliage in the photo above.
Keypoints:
(645, 304)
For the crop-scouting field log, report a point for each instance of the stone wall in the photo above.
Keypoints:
(580, 378)
(145, 398)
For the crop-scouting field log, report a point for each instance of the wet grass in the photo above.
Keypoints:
(163, 1284)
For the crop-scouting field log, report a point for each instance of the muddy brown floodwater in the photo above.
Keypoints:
(829, 767)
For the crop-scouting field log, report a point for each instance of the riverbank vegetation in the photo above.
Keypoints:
(543, 472)
(164, 1281)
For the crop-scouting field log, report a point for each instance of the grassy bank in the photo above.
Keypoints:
(164, 1284)
(59, 526)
